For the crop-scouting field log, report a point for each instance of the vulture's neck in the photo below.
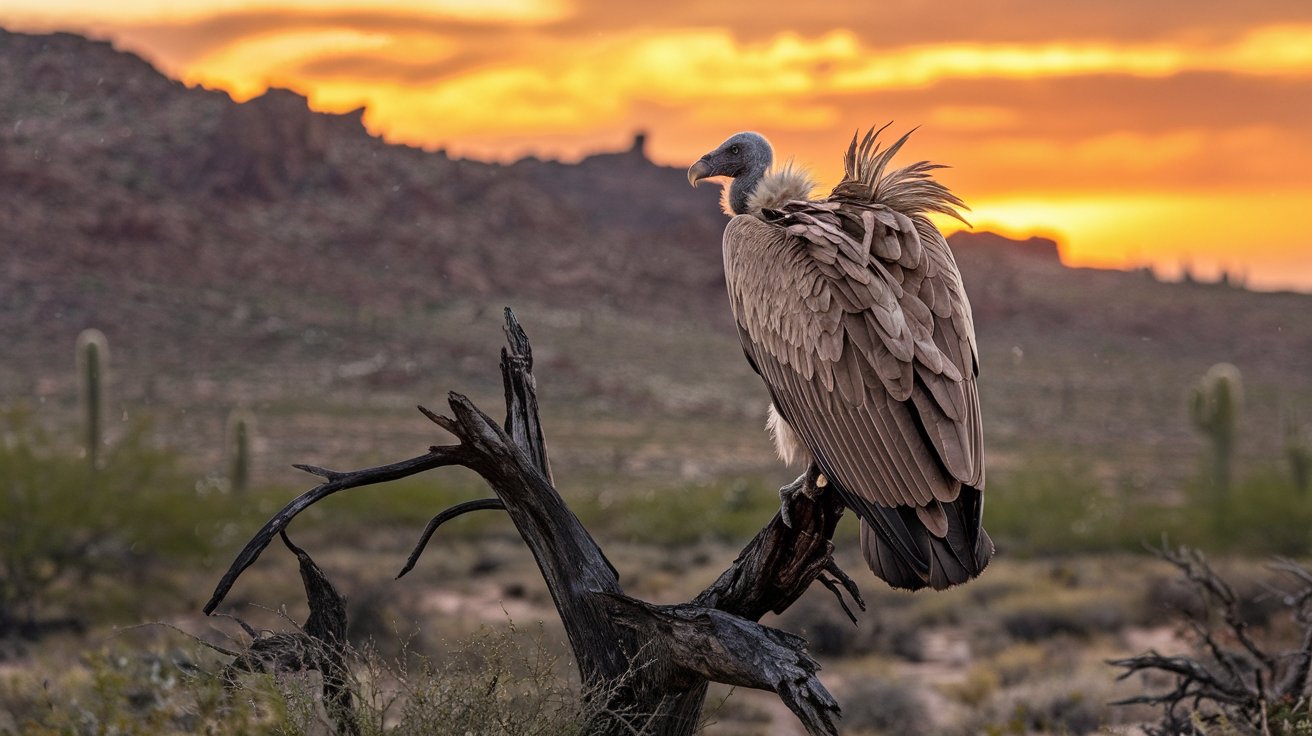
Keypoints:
(744, 184)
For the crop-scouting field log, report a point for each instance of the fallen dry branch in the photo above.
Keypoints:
(653, 661)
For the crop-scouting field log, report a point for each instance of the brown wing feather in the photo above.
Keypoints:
(893, 413)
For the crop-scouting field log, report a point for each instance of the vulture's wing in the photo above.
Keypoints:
(854, 314)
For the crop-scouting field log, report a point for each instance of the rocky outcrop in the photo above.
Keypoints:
(267, 146)
(1043, 249)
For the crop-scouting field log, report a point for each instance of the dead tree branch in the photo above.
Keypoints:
(1243, 684)
(655, 661)
(319, 646)
(460, 509)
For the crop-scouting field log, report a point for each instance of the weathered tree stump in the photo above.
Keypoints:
(652, 662)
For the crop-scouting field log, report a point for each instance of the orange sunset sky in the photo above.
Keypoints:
(1164, 132)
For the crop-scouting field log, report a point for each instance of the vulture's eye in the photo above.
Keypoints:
(733, 150)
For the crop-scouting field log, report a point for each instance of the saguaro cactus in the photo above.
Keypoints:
(1298, 453)
(240, 429)
(1214, 407)
(92, 357)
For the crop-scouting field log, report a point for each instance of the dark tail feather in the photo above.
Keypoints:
(888, 563)
(953, 559)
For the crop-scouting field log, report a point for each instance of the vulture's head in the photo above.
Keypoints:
(745, 158)
(742, 155)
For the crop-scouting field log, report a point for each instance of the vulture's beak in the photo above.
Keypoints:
(698, 171)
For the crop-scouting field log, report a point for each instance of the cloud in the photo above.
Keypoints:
(894, 24)
(180, 43)
(365, 67)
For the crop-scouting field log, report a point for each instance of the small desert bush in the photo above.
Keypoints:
(76, 540)
(1043, 614)
(408, 503)
(1056, 706)
(875, 705)
(1263, 515)
(119, 691)
(731, 511)
(1050, 505)
(495, 683)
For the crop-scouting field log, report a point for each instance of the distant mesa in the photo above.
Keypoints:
(1043, 249)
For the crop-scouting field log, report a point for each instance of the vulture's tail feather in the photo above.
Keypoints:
(952, 559)
(887, 563)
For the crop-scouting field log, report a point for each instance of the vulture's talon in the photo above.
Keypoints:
(786, 494)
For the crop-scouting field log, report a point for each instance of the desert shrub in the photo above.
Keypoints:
(409, 503)
(828, 631)
(497, 683)
(66, 527)
(732, 511)
(1051, 505)
(975, 689)
(1057, 709)
(121, 691)
(1263, 514)
(1048, 613)
(1063, 706)
(875, 705)
(1019, 662)
(992, 683)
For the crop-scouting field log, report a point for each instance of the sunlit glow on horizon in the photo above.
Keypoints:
(1204, 232)
(1123, 147)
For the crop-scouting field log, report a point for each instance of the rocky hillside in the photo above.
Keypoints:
(265, 253)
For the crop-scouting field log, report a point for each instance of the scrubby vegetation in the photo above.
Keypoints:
(1055, 506)
(82, 544)
(78, 542)
(1246, 673)
(498, 683)
(133, 536)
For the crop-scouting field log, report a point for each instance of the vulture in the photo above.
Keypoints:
(852, 311)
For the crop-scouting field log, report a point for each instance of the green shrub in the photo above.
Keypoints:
(66, 528)
(732, 511)
(1265, 515)
(1044, 614)
(1052, 505)
(1048, 506)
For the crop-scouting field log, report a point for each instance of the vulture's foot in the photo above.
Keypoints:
(786, 494)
